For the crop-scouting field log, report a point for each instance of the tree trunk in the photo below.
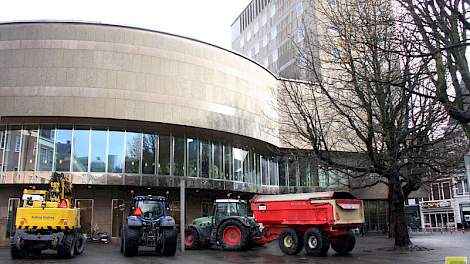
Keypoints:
(398, 222)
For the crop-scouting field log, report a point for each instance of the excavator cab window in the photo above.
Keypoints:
(28, 199)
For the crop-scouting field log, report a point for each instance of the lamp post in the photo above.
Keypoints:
(182, 212)
(467, 170)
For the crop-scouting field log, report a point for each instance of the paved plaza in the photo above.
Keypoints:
(369, 249)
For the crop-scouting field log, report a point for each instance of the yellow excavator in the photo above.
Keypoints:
(46, 219)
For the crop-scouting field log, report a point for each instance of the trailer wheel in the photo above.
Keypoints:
(290, 241)
(67, 248)
(232, 235)
(15, 252)
(80, 244)
(131, 241)
(316, 242)
(168, 242)
(343, 244)
(191, 238)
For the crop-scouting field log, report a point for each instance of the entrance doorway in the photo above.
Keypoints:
(117, 216)
(13, 204)
(86, 214)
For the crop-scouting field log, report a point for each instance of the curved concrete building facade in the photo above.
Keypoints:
(102, 71)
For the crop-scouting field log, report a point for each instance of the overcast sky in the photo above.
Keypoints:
(206, 20)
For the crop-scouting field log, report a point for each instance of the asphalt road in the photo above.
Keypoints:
(369, 249)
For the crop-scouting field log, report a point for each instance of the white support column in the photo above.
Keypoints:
(182, 212)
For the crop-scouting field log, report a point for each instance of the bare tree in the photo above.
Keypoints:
(358, 98)
(438, 30)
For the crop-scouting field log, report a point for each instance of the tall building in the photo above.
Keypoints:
(268, 31)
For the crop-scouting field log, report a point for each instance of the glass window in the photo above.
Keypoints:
(313, 174)
(274, 56)
(178, 162)
(205, 158)
(164, 155)
(273, 177)
(248, 35)
(265, 62)
(247, 165)
(257, 169)
(17, 142)
(435, 191)
(299, 35)
(115, 151)
(242, 42)
(98, 151)
(217, 168)
(323, 177)
(81, 143)
(293, 164)
(63, 146)
(228, 164)
(133, 151)
(264, 171)
(149, 146)
(264, 19)
(282, 171)
(193, 155)
(256, 27)
(46, 149)
(299, 9)
(239, 156)
(446, 190)
(28, 150)
(2, 138)
(304, 172)
(273, 10)
(273, 33)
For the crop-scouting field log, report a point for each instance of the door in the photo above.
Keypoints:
(175, 212)
(117, 217)
(13, 204)
(86, 214)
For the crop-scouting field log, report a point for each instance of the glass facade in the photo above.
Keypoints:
(85, 150)
(133, 152)
(98, 151)
(115, 151)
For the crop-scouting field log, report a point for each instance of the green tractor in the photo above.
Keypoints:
(229, 227)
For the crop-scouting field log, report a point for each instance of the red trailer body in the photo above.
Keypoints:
(330, 215)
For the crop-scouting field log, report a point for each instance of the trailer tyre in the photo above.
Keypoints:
(316, 242)
(343, 244)
(168, 243)
(131, 241)
(232, 235)
(80, 244)
(191, 238)
(290, 241)
(67, 248)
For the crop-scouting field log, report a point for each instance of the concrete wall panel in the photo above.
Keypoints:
(103, 71)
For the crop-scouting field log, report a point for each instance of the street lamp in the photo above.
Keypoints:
(467, 170)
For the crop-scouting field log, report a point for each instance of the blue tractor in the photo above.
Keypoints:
(149, 225)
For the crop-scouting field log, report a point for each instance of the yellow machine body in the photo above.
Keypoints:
(37, 218)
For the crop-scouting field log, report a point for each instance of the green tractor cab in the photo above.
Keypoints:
(229, 227)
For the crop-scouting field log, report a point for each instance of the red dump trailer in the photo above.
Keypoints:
(313, 221)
